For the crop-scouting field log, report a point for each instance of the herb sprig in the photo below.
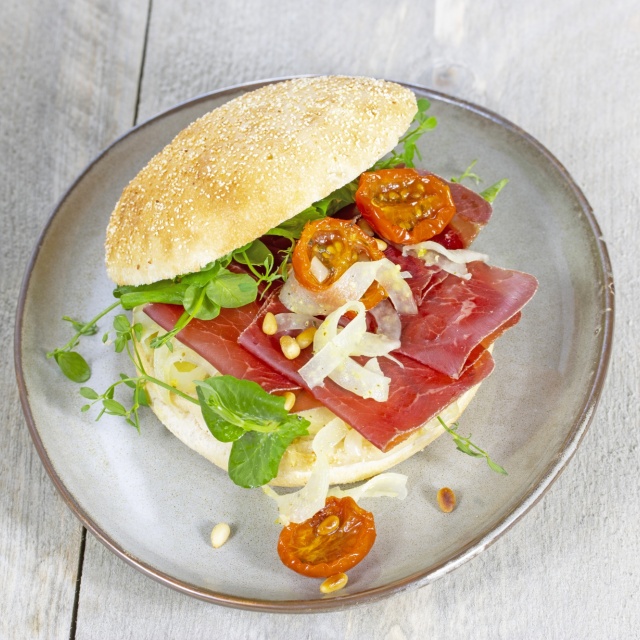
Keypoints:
(71, 363)
(465, 445)
(409, 142)
(489, 194)
(237, 411)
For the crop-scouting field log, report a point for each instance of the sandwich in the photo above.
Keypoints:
(290, 271)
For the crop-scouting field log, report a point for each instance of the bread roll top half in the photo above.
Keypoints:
(247, 166)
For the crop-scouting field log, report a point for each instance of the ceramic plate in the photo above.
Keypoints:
(153, 502)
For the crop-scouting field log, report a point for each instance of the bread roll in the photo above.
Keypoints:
(247, 166)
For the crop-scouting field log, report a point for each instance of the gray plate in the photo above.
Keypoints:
(153, 502)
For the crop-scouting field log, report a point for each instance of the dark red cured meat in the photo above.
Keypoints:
(217, 342)
(417, 393)
(457, 315)
(472, 213)
(422, 277)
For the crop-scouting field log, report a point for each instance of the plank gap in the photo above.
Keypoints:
(76, 597)
(142, 62)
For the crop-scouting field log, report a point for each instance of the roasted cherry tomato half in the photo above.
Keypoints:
(321, 547)
(404, 206)
(337, 244)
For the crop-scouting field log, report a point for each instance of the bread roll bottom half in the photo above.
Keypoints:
(353, 459)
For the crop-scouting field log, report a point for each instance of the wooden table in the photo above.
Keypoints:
(76, 74)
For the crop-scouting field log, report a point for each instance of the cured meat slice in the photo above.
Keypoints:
(422, 277)
(217, 342)
(472, 213)
(458, 315)
(417, 393)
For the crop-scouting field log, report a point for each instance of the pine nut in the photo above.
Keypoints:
(382, 245)
(290, 348)
(334, 583)
(269, 324)
(365, 226)
(220, 534)
(289, 400)
(328, 525)
(305, 338)
(446, 499)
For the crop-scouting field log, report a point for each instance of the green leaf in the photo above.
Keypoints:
(496, 467)
(193, 297)
(83, 328)
(465, 445)
(121, 323)
(137, 330)
(492, 192)
(242, 403)
(255, 252)
(127, 380)
(90, 394)
(73, 365)
(257, 423)
(113, 407)
(120, 343)
(140, 395)
(220, 428)
(255, 457)
(85, 407)
(208, 310)
(468, 174)
(232, 290)
(168, 293)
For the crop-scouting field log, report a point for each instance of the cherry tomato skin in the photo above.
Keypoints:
(404, 206)
(320, 555)
(337, 244)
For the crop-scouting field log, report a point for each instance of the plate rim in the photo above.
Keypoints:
(417, 579)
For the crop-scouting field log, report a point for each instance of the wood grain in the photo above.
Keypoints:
(567, 72)
(69, 72)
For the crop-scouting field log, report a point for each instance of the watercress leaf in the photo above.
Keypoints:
(243, 403)
(137, 330)
(127, 380)
(461, 446)
(82, 328)
(85, 407)
(113, 407)
(109, 392)
(193, 297)
(220, 428)
(208, 309)
(467, 173)
(105, 337)
(73, 365)
(169, 293)
(294, 225)
(255, 457)
(89, 393)
(140, 396)
(203, 276)
(496, 467)
(232, 290)
(121, 323)
(492, 192)
(423, 105)
(120, 343)
(255, 252)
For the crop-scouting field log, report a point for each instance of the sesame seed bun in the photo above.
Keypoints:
(247, 166)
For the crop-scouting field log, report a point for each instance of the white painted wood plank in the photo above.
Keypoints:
(566, 72)
(69, 72)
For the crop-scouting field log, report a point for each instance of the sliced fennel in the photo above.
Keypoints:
(453, 261)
